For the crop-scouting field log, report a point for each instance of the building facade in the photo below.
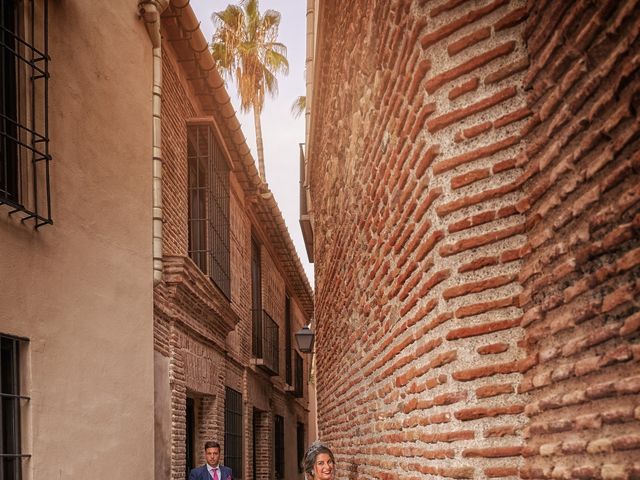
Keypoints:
(233, 291)
(76, 305)
(143, 310)
(474, 183)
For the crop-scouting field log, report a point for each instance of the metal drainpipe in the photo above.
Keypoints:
(309, 68)
(309, 65)
(150, 11)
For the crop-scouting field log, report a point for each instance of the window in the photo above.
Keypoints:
(233, 431)
(208, 206)
(9, 102)
(298, 390)
(300, 444)
(190, 435)
(265, 331)
(24, 141)
(255, 439)
(10, 406)
(279, 445)
(256, 299)
(287, 340)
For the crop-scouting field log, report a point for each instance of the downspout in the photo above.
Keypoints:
(309, 64)
(150, 11)
(314, 434)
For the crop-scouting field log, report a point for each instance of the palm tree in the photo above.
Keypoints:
(298, 106)
(245, 49)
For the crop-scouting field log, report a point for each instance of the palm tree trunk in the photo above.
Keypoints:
(259, 146)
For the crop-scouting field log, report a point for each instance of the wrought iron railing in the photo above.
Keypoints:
(233, 431)
(11, 402)
(24, 116)
(209, 235)
(288, 350)
(278, 422)
(266, 342)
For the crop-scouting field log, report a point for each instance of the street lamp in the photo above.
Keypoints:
(304, 339)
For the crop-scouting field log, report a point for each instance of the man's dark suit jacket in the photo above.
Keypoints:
(201, 473)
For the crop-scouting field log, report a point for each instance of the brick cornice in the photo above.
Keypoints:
(187, 285)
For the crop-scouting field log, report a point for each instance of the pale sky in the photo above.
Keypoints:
(281, 132)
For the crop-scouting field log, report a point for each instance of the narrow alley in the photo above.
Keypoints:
(469, 197)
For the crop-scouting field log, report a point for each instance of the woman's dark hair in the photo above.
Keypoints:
(315, 449)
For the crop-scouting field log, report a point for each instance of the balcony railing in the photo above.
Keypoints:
(265, 342)
(298, 387)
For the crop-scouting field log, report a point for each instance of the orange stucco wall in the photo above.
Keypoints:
(81, 289)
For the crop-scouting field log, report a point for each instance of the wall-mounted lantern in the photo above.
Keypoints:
(304, 339)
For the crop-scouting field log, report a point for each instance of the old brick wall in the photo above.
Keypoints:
(263, 424)
(581, 271)
(435, 143)
(174, 167)
(240, 237)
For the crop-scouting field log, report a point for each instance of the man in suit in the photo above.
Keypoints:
(212, 470)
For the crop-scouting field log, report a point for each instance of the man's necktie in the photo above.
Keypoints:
(215, 474)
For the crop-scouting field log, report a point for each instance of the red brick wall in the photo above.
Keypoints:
(273, 288)
(264, 451)
(436, 137)
(240, 237)
(580, 275)
(175, 110)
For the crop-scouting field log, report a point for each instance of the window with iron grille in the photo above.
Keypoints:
(11, 400)
(300, 444)
(24, 127)
(287, 340)
(298, 388)
(256, 299)
(209, 206)
(267, 336)
(279, 445)
(265, 331)
(233, 431)
(190, 435)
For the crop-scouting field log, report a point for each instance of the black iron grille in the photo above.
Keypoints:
(256, 299)
(266, 338)
(298, 390)
(287, 340)
(300, 442)
(279, 445)
(24, 124)
(11, 400)
(233, 431)
(190, 435)
(256, 337)
(209, 206)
